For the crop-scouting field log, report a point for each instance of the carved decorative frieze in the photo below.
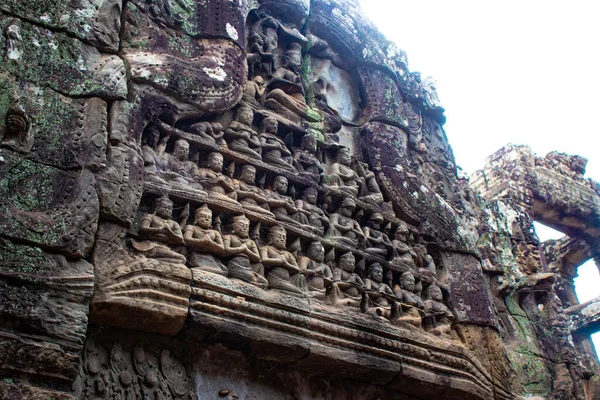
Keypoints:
(269, 177)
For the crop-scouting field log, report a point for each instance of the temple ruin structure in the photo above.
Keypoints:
(234, 199)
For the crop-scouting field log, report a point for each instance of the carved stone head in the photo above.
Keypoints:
(434, 293)
(181, 151)
(280, 184)
(347, 207)
(347, 262)
(270, 125)
(248, 174)
(376, 272)
(241, 226)
(163, 207)
(215, 161)
(278, 237)
(310, 195)
(344, 156)
(316, 251)
(376, 220)
(309, 143)
(401, 233)
(293, 57)
(407, 281)
(204, 217)
(245, 115)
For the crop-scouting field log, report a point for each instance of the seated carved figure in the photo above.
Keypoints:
(241, 137)
(305, 160)
(376, 242)
(380, 297)
(411, 302)
(178, 167)
(282, 270)
(286, 95)
(318, 274)
(438, 317)
(429, 268)
(160, 231)
(343, 228)
(309, 214)
(280, 204)
(204, 243)
(262, 42)
(217, 184)
(404, 255)
(210, 131)
(341, 176)
(274, 151)
(287, 76)
(151, 160)
(244, 262)
(370, 188)
(253, 92)
(347, 286)
(250, 196)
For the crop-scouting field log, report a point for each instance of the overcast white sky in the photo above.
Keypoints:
(520, 71)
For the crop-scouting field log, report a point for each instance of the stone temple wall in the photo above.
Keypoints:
(216, 199)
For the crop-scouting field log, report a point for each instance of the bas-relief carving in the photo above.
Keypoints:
(114, 367)
(227, 183)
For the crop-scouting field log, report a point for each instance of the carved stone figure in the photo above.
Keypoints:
(430, 89)
(244, 262)
(371, 192)
(380, 297)
(376, 242)
(281, 268)
(262, 43)
(241, 137)
(152, 162)
(438, 317)
(287, 77)
(249, 196)
(343, 228)
(411, 303)
(280, 204)
(160, 231)
(286, 95)
(18, 134)
(347, 285)
(215, 182)
(309, 213)
(305, 160)
(318, 274)
(178, 167)
(403, 254)
(341, 176)
(254, 91)
(204, 243)
(274, 151)
(210, 131)
(428, 268)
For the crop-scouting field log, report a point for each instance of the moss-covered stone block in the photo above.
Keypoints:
(54, 209)
(61, 62)
(67, 133)
(98, 22)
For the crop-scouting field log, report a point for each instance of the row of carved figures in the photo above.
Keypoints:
(339, 227)
(272, 266)
(240, 136)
